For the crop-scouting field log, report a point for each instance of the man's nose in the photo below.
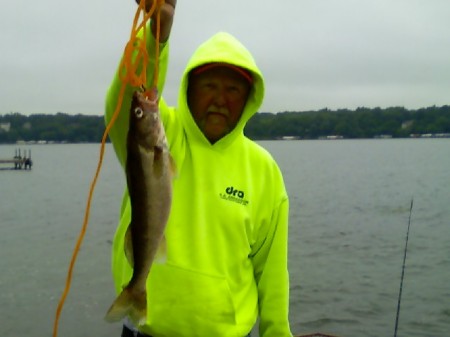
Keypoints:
(220, 99)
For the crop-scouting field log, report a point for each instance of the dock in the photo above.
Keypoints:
(18, 162)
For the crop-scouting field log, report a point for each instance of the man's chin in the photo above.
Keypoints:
(214, 132)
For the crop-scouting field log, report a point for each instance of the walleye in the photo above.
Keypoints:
(149, 172)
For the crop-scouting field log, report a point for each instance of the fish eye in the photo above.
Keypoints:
(138, 112)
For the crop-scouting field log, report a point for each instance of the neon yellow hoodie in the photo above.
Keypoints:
(227, 232)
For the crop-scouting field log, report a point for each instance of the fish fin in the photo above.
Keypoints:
(128, 303)
(158, 165)
(173, 167)
(128, 243)
(161, 254)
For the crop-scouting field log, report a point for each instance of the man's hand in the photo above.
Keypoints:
(167, 10)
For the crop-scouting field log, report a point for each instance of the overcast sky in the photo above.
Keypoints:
(59, 56)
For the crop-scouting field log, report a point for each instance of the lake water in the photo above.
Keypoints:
(350, 203)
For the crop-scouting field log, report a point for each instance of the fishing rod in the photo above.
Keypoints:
(403, 269)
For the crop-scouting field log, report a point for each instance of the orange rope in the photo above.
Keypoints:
(128, 74)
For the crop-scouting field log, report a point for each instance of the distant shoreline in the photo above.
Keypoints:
(362, 123)
(284, 138)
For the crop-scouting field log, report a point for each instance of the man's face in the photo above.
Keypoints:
(216, 98)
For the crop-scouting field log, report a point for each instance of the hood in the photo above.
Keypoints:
(224, 48)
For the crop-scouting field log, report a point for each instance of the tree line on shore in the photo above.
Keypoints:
(396, 122)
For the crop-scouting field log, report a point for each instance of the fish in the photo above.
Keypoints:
(149, 173)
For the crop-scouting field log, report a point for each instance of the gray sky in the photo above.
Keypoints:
(59, 56)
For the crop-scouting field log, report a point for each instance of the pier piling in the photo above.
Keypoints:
(18, 161)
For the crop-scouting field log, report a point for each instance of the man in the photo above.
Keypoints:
(227, 231)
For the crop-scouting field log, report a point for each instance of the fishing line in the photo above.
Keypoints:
(403, 269)
(133, 72)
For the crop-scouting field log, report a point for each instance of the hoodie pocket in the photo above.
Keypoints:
(182, 302)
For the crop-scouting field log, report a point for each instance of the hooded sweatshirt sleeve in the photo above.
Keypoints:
(271, 272)
(118, 132)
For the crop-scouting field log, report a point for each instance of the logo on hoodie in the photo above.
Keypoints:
(234, 195)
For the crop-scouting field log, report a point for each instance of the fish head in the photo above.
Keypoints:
(145, 121)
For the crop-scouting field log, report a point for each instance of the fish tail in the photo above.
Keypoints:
(161, 254)
(128, 303)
